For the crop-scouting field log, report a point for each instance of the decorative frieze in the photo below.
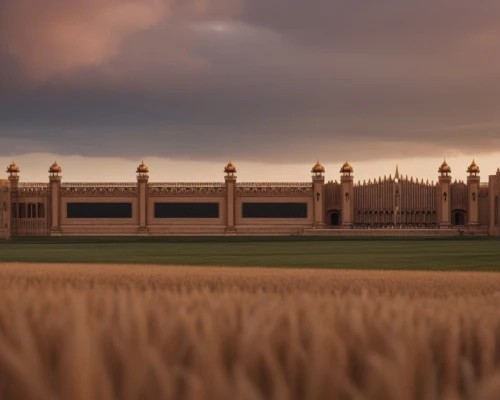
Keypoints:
(274, 189)
(187, 189)
(99, 189)
(28, 189)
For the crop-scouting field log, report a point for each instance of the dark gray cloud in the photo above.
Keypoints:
(270, 80)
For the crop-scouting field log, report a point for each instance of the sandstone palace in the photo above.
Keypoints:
(388, 206)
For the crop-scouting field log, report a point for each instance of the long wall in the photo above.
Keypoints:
(241, 208)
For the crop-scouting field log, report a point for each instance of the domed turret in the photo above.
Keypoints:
(230, 169)
(318, 169)
(473, 168)
(55, 169)
(444, 169)
(346, 169)
(142, 169)
(13, 169)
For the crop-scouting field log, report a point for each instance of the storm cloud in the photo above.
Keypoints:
(263, 80)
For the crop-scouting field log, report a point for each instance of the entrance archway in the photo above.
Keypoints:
(335, 218)
(458, 217)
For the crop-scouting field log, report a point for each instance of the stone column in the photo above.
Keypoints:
(55, 199)
(230, 180)
(494, 196)
(473, 200)
(347, 198)
(230, 202)
(444, 201)
(55, 205)
(13, 171)
(5, 209)
(318, 200)
(142, 197)
(142, 190)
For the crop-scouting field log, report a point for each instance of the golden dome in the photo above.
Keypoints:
(230, 168)
(318, 168)
(444, 168)
(473, 168)
(13, 168)
(346, 168)
(142, 168)
(55, 169)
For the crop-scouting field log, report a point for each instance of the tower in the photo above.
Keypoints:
(13, 171)
(347, 192)
(444, 200)
(230, 180)
(55, 199)
(473, 194)
(142, 188)
(318, 194)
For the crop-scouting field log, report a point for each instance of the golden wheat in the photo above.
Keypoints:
(143, 332)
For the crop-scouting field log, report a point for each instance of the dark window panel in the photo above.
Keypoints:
(99, 210)
(186, 210)
(274, 210)
(22, 210)
(41, 210)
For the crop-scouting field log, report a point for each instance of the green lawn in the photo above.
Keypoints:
(361, 253)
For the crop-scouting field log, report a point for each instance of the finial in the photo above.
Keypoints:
(142, 169)
(346, 169)
(230, 169)
(318, 169)
(13, 169)
(55, 169)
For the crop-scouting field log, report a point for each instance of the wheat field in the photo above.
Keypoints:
(150, 332)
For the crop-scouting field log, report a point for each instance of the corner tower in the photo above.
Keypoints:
(230, 180)
(142, 188)
(473, 180)
(347, 192)
(55, 199)
(318, 193)
(444, 200)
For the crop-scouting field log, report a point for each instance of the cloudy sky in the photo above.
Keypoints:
(273, 85)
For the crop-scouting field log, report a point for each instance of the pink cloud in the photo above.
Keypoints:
(53, 37)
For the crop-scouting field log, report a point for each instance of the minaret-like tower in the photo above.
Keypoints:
(10, 199)
(347, 193)
(230, 180)
(142, 188)
(444, 200)
(13, 171)
(318, 193)
(55, 199)
(473, 180)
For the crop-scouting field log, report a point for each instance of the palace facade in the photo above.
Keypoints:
(385, 206)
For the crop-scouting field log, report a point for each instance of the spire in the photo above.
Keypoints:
(397, 172)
